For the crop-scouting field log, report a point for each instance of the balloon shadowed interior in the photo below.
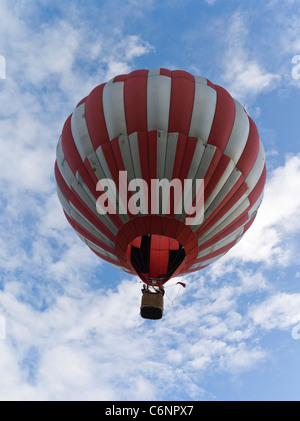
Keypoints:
(155, 258)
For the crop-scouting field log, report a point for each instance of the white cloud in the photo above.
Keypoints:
(244, 75)
(271, 238)
(279, 311)
(70, 334)
(92, 344)
(120, 56)
(44, 65)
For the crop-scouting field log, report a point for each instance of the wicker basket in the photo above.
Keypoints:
(152, 305)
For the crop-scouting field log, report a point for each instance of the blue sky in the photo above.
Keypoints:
(69, 323)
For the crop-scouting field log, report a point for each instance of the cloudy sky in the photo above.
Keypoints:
(69, 323)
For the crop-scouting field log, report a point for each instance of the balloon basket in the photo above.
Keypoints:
(152, 305)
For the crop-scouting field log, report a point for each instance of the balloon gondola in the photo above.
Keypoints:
(151, 125)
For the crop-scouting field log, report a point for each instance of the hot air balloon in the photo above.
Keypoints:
(159, 125)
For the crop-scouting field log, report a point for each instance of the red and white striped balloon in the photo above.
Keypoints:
(158, 124)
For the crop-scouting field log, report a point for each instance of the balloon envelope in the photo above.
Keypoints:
(159, 125)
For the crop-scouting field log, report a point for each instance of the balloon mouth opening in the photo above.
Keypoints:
(155, 258)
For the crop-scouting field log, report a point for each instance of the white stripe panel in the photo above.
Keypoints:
(224, 222)
(239, 134)
(125, 149)
(121, 268)
(81, 220)
(85, 188)
(222, 243)
(99, 173)
(168, 148)
(105, 173)
(192, 175)
(197, 159)
(204, 108)
(251, 181)
(230, 167)
(206, 160)
(160, 170)
(141, 194)
(63, 165)
(63, 201)
(200, 79)
(239, 207)
(126, 156)
(203, 164)
(81, 189)
(90, 202)
(233, 150)
(161, 154)
(171, 153)
(235, 235)
(84, 223)
(113, 108)
(256, 205)
(229, 184)
(78, 217)
(77, 183)
(206, 262)
(202, 170)
(158, 101)
(97, 248)
(96, 166)
(80, 132)
(257, 169)
(134, 149)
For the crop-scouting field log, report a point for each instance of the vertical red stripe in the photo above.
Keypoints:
(113, 157)
(248, 157)
(219, 171)
(180, 152)
(73, 158)
(223, 119)
(68, 146)
(248, 225)
(94, 116)
(143, 154)
(64, 188)
(256, 192)
(152, 159)
(135, 101)
(188, 157)
(165, 72)
(182, 102)
(211, 168)
(120, 78)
